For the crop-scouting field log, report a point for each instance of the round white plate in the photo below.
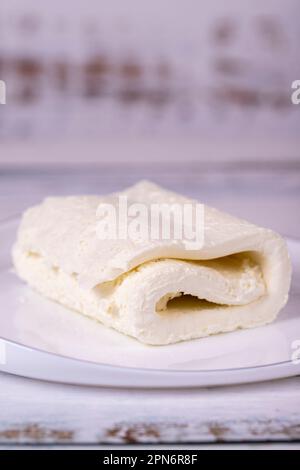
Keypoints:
(41, 339)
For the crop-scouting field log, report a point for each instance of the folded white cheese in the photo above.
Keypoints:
(157, 291)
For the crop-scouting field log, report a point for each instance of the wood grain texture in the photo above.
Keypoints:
(150, 69)
(34, 411)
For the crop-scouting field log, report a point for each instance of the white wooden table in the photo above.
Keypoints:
(34, 412)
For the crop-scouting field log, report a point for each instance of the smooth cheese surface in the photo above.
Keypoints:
(156, 291)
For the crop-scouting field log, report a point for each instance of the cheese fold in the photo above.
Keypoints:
(154, 290)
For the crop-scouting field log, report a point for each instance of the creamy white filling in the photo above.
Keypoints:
(138, 301)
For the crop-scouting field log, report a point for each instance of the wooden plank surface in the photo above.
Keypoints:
(208, 70)
(268, 195)
(34, 411)
(205, 152)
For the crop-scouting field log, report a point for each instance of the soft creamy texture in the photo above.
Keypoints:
(156, 291)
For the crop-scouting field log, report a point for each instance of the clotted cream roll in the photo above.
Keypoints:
(159, 291)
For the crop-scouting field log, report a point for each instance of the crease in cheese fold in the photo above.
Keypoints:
(241, 274)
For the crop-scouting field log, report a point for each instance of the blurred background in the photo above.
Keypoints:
(194, 95)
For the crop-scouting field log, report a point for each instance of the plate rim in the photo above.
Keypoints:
(148, 371)
(142, 369)
(87, 373)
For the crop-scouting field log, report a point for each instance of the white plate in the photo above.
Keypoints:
(38, 340)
